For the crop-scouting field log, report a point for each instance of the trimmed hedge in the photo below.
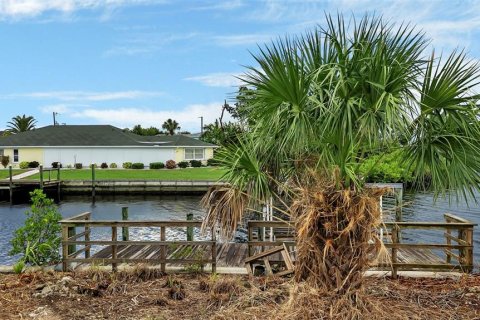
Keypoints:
(127, 165)
(157, 165)
(212, 162)
(113, 165)
(56, 165)
(170, 164)
(78, 166)
(24, 165)
(138, 165)
(195, 163)
(182, 164)
(33, 164)
(104, 165)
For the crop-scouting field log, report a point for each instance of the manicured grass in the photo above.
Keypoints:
(211, 174)
(4, 172)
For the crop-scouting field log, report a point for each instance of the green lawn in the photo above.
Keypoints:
(211, 174)
(4, 172)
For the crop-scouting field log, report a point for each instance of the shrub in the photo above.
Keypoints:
(5, 161)
(38, 240)
(78, 166)
(94, 165)
(196, 163)
(127, 165)
(56, 165)
(386, 168)
(182, 164)
(69, 166)
(104, 165)
(212, 162)
(24, 164)
(33, 164)
(170, 164)
(157, 165)
(138, 165)
(113, 165)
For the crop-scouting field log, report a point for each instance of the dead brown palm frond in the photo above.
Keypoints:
(225, 207)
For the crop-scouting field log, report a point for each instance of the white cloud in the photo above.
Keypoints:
(242, 39)
(85, 95)
(59, 108)
(21, 9)
(146, 42)
(188, 117)
(447, 23)
(219, 79)
(221, 5)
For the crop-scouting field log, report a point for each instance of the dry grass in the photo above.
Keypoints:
(143, 294)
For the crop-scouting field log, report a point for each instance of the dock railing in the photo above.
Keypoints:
(71, 239)
(404, 253)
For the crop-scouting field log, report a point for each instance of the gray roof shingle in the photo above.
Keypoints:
(93, 135)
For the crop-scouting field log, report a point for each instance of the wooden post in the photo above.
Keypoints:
(64, 248)
(214, 251)
(398, 209)
(70, 233)
(93, 183)
(250, 238)
(449, 243)
(114, 248)
(125, 235)
(163, 254)
(87, 239)
(59, 182)
(462, 252)
(189, 229)
(10, 174)
(469, 251)
(394, 252)
(41, 177)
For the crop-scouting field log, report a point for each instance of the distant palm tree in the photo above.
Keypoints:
(170, 126)
(21, 124)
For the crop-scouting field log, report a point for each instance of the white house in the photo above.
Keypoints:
(88, 144)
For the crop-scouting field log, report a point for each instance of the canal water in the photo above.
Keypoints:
(418, 207)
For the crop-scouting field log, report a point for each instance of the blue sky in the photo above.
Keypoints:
(124, 62)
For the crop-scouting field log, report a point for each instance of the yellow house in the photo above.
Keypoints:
(96, 144)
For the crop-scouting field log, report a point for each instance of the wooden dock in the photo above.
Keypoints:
(45, 181)
(456, 253)
(228, 254)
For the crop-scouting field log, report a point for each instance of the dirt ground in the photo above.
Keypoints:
(148, 294)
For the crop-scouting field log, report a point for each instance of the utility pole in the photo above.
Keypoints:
(201, 126)
(54, 121)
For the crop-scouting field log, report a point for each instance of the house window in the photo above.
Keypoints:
(194, 154)
(15, 155)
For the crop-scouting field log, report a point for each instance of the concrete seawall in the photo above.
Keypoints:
(136, 186)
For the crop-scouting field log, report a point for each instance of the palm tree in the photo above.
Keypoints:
(170, 126)
(21, 124)
(321, 104)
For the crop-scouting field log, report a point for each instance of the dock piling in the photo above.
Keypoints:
(125, 233)
(93, 182)
(59, 182)
(189, 229)
(10, 174)
(41, 177)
